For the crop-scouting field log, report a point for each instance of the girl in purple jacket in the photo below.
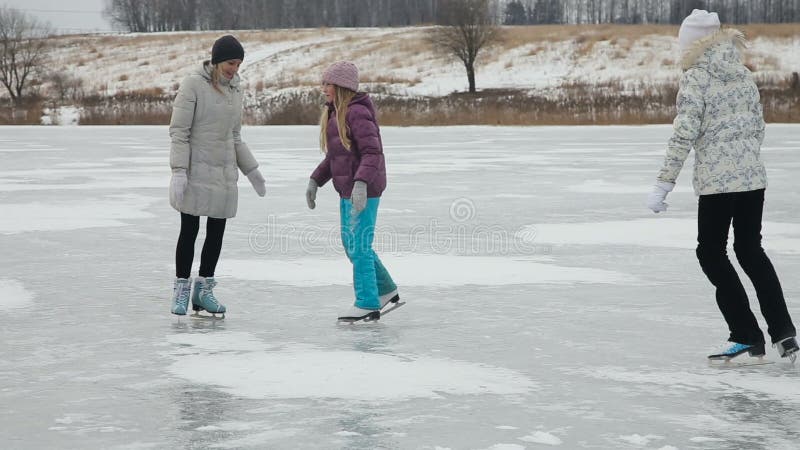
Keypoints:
(351, 140)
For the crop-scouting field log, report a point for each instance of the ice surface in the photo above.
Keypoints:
(547, 307)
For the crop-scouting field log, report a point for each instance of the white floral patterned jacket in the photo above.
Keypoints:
(720, 115)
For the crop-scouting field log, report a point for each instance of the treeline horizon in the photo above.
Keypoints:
(194, 15)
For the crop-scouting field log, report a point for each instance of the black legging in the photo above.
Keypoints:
(743, 209)
(184, 253)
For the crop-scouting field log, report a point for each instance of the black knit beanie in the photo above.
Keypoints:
(225, 48)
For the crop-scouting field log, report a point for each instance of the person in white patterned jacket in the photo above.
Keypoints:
(720, 116)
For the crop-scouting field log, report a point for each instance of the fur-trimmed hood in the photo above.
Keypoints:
(719, 54)
(204, 71)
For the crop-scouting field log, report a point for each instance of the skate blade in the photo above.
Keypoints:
(373, 317)
(392, 308)
(213, 316)
(739, 362)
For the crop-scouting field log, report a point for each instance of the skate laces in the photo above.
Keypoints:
(182, 293)
(206, 292)
(732, 347)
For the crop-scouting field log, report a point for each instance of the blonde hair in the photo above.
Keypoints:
(341, 100)
(216, 69)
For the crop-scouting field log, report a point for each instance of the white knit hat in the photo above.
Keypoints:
(697, 25)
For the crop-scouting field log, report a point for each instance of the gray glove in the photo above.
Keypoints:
(258, 182)
(359, 196)
(177, 186)
(655, 201)
(311, 194)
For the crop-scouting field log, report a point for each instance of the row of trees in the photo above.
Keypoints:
(527, 12)
(177, 15)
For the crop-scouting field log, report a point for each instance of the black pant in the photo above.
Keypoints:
(184, 253)
(715, 213)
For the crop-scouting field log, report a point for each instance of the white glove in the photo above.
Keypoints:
(655, 201)
(177, 186)
(258, 182)
(311, 194)
(359, 196)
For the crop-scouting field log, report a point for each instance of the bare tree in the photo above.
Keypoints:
(66, 86)
(468, 28)
(23, 45)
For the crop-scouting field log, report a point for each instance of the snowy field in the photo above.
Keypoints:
(401, 61)
(546, 305)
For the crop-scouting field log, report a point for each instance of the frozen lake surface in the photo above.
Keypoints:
(546, 305)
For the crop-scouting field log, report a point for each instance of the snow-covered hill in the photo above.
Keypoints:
(589, 74)
(399, 61)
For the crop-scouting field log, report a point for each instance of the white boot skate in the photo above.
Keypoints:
(390, 301)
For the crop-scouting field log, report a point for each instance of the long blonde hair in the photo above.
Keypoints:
(216, 69)
(341, 100)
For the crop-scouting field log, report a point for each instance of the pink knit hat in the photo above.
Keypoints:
(342, 73)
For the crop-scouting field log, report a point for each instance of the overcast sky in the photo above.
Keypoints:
(73, 16)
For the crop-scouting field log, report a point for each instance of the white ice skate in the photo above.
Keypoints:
(390, 301)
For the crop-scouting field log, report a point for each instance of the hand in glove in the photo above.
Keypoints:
(359, 197)
(655, 201)
(311, 194)
(258, 182)
(177, 186)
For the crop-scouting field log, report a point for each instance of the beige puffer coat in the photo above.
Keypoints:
(206, 141)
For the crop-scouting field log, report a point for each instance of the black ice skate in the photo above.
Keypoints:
(356, 314)
(788, 348)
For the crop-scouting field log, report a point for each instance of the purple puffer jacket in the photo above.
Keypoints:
(364, 161)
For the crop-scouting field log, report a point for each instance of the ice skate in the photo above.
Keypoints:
(355, 314)
(180, 296)
(788, 348)
(390, 301)
(203, 298)
(736, 354)
(731, 350)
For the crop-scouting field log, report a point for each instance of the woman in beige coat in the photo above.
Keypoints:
(206, 151)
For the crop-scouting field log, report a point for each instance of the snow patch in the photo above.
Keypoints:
(300, 371)
(758, 385)
(637, 439)
(655, 232)
(706, 439)
(38, 216)
(541, 437)
(347, 433)
(14, 295)
(421, 270)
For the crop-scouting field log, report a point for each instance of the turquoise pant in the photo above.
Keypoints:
(370, 278)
